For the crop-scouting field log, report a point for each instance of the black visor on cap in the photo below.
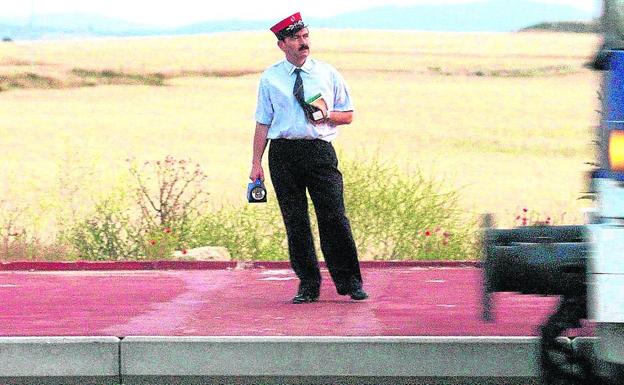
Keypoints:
(291, 30)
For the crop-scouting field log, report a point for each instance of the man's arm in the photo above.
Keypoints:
(259, 144)
(343, 113)
(340, 117)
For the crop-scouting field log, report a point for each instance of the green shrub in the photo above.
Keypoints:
(23, 246)
(170, 195)
(393, 216)
(108, 233)
(251, 232)
(403, 216)
(160, 244)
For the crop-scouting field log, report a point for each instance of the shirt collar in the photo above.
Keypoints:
(306, 67)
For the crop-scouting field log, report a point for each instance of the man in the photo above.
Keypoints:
(302, 157)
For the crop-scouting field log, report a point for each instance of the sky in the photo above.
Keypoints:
(181, 12)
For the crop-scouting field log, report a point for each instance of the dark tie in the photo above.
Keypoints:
(298, 88)
(298, 92)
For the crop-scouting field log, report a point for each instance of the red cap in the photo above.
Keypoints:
(291, 20)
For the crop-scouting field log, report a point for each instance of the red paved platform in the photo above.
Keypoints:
(220, 300)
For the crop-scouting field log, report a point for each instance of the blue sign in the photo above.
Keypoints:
(615, 90)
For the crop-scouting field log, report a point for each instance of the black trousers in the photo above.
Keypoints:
(297, 165)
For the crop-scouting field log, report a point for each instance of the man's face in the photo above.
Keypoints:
(297, 46)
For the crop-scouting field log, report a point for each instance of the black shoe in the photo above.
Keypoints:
(306, 295)
(358, 294)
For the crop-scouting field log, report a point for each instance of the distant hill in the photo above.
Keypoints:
(72, 25)
(566, 26)
(487, 15)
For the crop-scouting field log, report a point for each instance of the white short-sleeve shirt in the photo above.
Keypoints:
(278, 108)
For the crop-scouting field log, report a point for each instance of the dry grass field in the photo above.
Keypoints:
(505, 119)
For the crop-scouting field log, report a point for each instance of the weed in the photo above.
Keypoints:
(107, 234)
(401, 217)
(108, 76)
(170, 194)
(528, 217)
(29, 80)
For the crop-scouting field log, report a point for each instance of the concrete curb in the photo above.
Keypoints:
(195, 360)
(208, 265)
(247, 360)
(59, 360)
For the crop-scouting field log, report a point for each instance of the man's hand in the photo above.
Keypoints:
(323, 120)
(256, 172)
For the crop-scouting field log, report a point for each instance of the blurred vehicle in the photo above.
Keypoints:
(582, 264)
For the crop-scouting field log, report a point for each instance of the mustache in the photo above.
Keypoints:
(303, 47)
